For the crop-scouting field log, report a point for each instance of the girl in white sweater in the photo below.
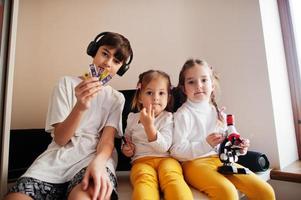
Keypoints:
(198, 125)
(148, 139)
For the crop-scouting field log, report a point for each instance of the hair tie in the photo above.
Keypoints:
(138, 86)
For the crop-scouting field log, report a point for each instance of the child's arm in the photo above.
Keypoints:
(164, 131)
(187, 143)
(128, 147)
(84, 92)
(96, 170)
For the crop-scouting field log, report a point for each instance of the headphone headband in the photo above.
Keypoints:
(100, 35)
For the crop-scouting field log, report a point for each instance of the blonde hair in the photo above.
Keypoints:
(215, 81)
(144, 79)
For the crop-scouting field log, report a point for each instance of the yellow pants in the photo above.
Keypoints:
(151, 173)
(203, 175)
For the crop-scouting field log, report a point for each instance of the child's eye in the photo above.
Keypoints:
(162, 93)
(105, 54)
(191, 82)
(116, 61)
(148, 93)
(204, 80)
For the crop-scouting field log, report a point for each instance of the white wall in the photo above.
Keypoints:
(53, 35)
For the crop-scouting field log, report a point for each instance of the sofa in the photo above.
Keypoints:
(27, 144)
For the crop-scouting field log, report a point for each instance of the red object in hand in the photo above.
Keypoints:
(233, 135)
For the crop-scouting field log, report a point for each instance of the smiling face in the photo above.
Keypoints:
(105, 59)
(155, 93)
(198, 84)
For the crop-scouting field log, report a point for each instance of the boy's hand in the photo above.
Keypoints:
(128, 148)
(214, 139)
(96, 181)
(85, 91)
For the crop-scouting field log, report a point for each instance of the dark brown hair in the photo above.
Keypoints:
(118, 42)
(144, 79)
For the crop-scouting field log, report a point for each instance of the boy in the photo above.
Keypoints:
(83, 118)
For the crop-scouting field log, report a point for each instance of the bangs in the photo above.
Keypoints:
(116, 41)
(120, 54)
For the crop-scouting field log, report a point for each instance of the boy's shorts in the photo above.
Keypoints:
(40, 190)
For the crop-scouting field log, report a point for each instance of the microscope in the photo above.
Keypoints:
(230, 150)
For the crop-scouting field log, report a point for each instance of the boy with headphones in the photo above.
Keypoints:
(83, 117)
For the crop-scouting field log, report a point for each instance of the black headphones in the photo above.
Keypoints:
(93, 48)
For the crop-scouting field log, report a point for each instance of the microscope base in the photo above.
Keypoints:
(231, 169)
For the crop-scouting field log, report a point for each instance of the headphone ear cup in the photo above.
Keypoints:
(125, 66)
(123, 69)
(92, 49)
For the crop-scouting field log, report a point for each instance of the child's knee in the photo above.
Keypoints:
(144, 179)
(169, 165)
(142, 172)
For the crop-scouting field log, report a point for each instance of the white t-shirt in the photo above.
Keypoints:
(158, 148)
(59, 164)
(193, 122)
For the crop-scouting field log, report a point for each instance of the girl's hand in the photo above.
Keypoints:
(96, 181)
(85, 91)
(128, 148)
(147, 116)
(244, 145)
(214, 139)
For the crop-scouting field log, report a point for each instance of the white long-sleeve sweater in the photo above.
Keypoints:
(193, 122)
(158, 148)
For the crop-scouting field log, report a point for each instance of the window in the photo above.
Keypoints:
(295, 6)
(290, 12)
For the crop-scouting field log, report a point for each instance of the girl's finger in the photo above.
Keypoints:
(143, 111)
(128, 140)
(149, 109)
(223, 108)
(153, 113)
